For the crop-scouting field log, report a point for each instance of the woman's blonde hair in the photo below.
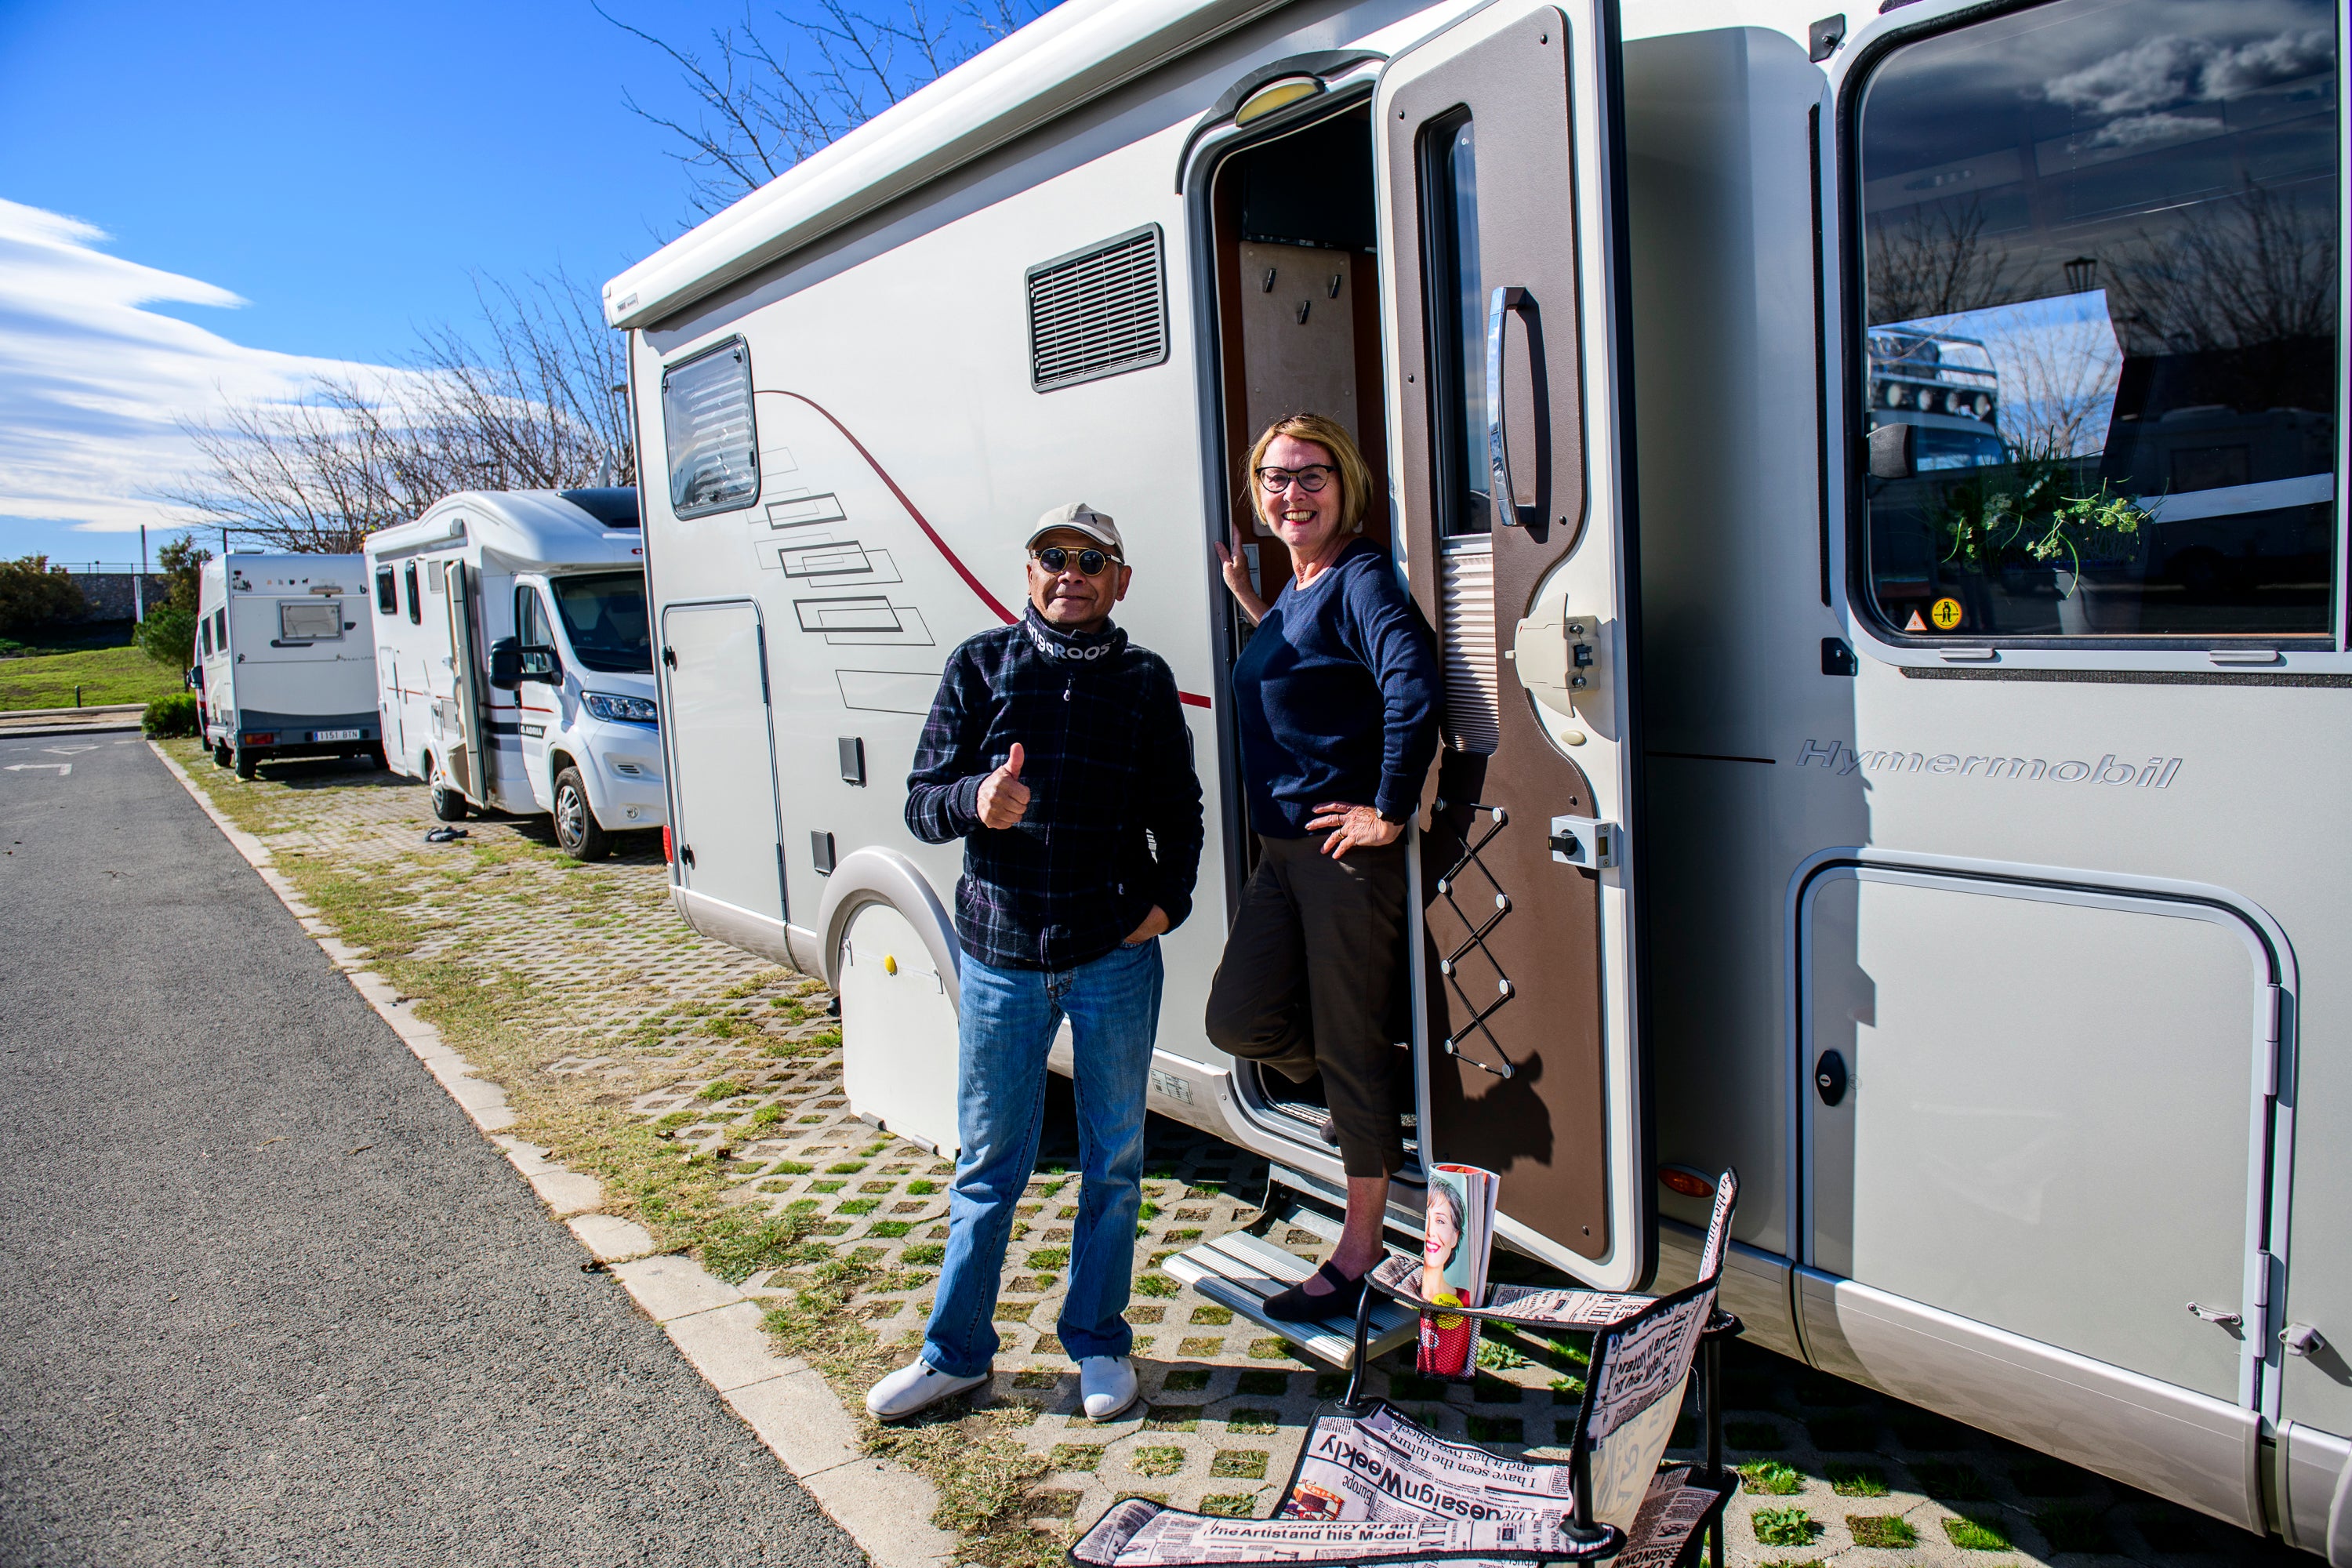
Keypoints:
(1355, 475)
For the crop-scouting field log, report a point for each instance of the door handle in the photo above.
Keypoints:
(1829, 1078)
(1502, 496)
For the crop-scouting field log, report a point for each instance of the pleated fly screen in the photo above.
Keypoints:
(1473, 684)
(1099, 313)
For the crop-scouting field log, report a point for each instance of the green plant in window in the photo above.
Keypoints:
(2019, 515)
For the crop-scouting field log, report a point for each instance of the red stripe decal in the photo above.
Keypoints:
(972, 582)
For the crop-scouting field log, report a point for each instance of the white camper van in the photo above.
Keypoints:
(1924, 800)
(283, 665)
(515, 671)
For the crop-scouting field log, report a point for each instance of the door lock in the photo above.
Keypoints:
(1829, 1078)
(1557, 653)
(1584, 841)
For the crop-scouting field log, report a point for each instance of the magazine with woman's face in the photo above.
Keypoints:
(1444, 1262)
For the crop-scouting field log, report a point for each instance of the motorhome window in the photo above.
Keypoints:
(387, 591)
(220, 628)
(614, 506)
(2099, 247)
(310, 620)
(604, 619)
(415, 604)
(714, 463)
(1458, 316)
(206, 633)
(531, 628)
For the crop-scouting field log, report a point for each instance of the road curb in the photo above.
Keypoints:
(881, 1505)
(108, 727)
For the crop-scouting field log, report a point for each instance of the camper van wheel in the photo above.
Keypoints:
(245, 761)
(449, 806)
(220, 754)
(576, 827)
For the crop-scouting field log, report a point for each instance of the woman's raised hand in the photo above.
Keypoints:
(1351, 825)
(1237, 581)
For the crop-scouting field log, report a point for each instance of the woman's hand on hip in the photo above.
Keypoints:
(1153, 924)
(1237, 582)
(1353, 825)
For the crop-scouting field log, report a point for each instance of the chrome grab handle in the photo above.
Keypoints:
(2216, 1315)
(1502, 496)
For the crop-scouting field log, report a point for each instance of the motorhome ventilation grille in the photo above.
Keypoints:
(1099, 312)
(1473, 685)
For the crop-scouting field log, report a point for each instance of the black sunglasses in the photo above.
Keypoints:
(1053, 558)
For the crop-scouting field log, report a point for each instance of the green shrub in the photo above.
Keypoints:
(34, 593)
(167, 717)
(168, 635)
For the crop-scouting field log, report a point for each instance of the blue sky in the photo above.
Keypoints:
(192, 195)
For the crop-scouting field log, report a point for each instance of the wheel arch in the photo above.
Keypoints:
(877, 876)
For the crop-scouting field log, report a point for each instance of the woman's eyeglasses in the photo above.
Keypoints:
(1055, 559)
(1311, 479)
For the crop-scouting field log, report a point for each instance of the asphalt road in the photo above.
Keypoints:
(265, 1295)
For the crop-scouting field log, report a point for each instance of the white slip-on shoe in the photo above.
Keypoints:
(1106, 1386)
(912, 1387)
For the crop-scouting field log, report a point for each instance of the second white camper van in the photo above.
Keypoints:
(284, 667)
(515, 667)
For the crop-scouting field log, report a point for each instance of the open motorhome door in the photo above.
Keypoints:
(1504, 276)
(462, 731)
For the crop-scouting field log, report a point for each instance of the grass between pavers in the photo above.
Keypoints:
(106, 674)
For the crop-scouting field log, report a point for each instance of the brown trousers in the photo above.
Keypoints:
(1313, 972)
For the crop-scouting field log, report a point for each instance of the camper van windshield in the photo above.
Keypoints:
(2099, 246)
(604, 617)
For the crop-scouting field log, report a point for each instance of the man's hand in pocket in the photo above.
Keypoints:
(1153, 924)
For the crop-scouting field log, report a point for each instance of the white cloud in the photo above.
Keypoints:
(93, 384)
(2170, 70)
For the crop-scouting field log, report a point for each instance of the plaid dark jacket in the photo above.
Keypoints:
(1114, 820)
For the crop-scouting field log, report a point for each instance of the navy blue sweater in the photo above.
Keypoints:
(1114, 820)
(1336, 697)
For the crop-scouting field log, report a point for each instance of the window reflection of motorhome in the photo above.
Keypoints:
(1946, 386)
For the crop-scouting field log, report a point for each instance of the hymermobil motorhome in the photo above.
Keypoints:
(282, 659)
(1930, 810)
(510, 630)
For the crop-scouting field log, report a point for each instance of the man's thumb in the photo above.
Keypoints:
(1013, 763)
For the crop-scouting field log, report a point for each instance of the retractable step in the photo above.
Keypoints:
(1240, 1270)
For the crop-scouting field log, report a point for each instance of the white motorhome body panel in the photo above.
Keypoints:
(895, 1008)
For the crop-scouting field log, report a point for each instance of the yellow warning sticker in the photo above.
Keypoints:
(1945, 613)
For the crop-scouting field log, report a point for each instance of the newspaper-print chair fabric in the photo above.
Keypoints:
(1584, 1309)
(1372, 1486)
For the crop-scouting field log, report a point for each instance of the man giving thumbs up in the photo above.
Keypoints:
(1057, 752)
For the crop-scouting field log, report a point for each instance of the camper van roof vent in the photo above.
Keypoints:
(1099, 311)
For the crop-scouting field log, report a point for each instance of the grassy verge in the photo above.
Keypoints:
(104, 674)
(508, 1027)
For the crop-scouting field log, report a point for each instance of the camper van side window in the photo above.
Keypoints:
(714, 464)
(2097, 369)
(387, 591)
(220, 628)
(208, 635)
(1457, 317)
(415, 603)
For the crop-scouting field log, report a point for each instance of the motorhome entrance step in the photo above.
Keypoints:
(1318, 1117)
(1240, 1270)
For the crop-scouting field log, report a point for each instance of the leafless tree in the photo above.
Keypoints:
(1935, 262)
(2259, 267)
(528, 401)
(767, 99)
(2057, 387)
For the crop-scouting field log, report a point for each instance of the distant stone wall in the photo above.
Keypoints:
(106, 594)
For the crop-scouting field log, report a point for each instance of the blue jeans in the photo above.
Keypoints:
(1007, 1025)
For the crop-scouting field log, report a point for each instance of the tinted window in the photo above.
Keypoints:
(614, 506)
(1457, 313)
(387, 591)
(604, 617)
(706, 420)
(416, 606)
(206, 634)
(2098, 243)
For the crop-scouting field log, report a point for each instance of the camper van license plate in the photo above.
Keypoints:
(334, 734)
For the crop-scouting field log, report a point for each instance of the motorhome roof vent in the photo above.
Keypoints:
(1099, 311)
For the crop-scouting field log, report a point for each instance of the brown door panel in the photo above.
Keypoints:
(1511, 938)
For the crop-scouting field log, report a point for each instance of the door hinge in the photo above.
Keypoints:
(2273, 1031)
(669, 656)
(685, 854)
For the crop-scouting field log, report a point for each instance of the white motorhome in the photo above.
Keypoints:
(517, 675)
(283, 664)
(1933, 818)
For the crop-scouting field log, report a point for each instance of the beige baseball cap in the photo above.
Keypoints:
(1085, 519)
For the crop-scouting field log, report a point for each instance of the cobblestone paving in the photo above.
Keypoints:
(736, 1059)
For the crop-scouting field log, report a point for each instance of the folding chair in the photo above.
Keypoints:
(1372, 1486)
